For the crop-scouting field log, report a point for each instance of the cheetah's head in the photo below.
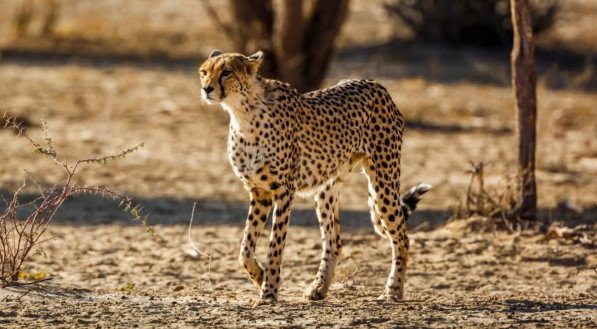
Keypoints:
(227, 76)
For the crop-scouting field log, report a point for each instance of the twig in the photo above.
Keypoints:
(197, 249)
(588, 267)
(19, 284)
(31, 282)
(25, 293)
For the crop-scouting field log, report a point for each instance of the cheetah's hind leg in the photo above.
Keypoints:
(326, 200)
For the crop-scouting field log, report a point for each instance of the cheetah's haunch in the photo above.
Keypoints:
(282, 143)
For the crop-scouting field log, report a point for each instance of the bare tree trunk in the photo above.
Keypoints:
(524, 80)
(254, 28)
(320, 36)
(304, 45)
(289, 40)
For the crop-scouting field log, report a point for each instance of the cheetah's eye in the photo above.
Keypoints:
(203, 72)
(226, 73)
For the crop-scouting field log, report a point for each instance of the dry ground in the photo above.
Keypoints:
(106, 276)
(458, 106)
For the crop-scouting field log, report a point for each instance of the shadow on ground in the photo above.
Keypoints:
(530, 306)
(95, 210)
(557, 68)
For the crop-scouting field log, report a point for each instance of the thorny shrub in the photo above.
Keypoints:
(21, 236)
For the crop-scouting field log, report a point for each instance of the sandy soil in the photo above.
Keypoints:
(106, 271)
(106, 276)
(112, 275)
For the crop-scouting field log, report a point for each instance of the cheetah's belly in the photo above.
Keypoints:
(317, 168)
(331, 137)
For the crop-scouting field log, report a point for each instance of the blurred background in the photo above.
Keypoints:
(108, 74)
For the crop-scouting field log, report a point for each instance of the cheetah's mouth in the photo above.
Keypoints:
(209, 98)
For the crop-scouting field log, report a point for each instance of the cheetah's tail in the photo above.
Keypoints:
(410, 199)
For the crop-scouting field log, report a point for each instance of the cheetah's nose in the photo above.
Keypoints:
(208, 89)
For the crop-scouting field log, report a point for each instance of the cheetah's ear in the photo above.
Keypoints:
(215, 53)
(258, 56)
(254, 61)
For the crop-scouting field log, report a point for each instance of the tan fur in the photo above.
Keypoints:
(282, 143)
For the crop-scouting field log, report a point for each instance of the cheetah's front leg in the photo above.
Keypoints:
(271, 282)
(261, 203)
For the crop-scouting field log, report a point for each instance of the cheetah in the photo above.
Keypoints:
(282, 143)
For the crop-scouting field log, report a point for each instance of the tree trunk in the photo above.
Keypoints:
(289, 41)
(253, 28)
(298, 47)
(304, 45)
(320, 35)
(524, 80)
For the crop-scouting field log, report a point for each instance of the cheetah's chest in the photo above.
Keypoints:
(249, 160)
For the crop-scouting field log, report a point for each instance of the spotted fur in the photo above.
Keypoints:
(282, 143)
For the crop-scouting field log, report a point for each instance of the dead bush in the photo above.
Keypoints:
(23, 223)
(500, 201)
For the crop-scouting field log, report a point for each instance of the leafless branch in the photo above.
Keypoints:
(20, 238)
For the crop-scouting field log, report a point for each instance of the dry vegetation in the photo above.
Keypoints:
(133, 79)
(23, 224)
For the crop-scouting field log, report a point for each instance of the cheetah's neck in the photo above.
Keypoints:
(244, 110)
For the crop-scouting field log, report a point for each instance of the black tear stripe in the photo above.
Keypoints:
(213, 65)
(221, 87)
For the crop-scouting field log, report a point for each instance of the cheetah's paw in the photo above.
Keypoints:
(390, 296)
(263, 301)
(315, 292)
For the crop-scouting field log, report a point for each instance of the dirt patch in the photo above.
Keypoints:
(111, 276)
(139, 84)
